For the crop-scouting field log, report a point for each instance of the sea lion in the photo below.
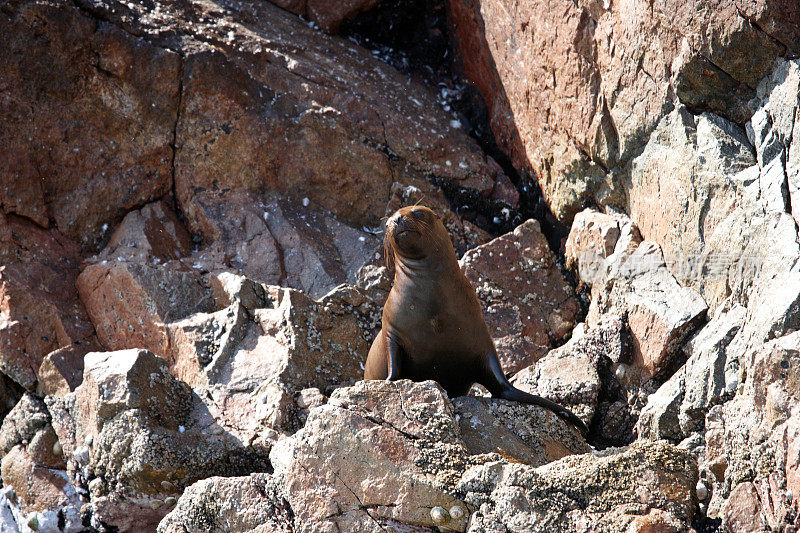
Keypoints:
(433, 326)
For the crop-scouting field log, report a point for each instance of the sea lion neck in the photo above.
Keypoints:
(429, 267)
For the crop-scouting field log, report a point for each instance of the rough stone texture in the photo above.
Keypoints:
(606, 491)
(566, 375)
(39, 308)
(131, 303)
(753, 438)
(39, 491)
(742, 511)
(598, 242)
(517, 432)
(233, 504)
(141, 434)
(281, 242)
(575, 90)
(62, 370)
(679, 406)
(772, 132)
(34, 472)
(252, 362)
(359, 462)
(660, 313)
(91, 112)
(682, 185)
(527, 303)
(201, 98)
(22, 423)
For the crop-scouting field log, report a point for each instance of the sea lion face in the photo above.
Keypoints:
(414, 232)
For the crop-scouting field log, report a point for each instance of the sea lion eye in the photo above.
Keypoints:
(419, 214)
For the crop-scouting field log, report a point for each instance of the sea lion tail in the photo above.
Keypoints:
(497, 384)
(565, 414)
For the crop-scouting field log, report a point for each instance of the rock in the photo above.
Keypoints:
(239, 504)
(518, 432)
(682, 185)
(564, 101)
(660, 313)
(215, 107)
(39, 308)
(252, 365)
(62, 370)
(709, 378)
(659, 418)
(771, 131)
(359, 463)
(154, 231)
(527, 303)
(131, 303)
(679, 406)
(34, 472)
(22, 423)
(134, 426)
(598, 243)
(92, 131)
(566, 375)
(742, 511)
(605, 491)
(44, 492)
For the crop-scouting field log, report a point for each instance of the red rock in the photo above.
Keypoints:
(90, 119)
(39, 308)
(62, 370)
(573, 90)
(131, 303)
(742, 510)
(527, 303)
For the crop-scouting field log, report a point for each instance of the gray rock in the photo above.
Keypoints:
(252, 503)
(603, 491)
(706, 381)
(23, 422)
(660, 313)
(679, 406)
(518, 432)
(146, 428)
(568, 374)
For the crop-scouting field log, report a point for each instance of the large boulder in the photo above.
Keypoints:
(236, 504)
(574, 91)
(253, 363)
(362, 464)
(134, 436)
(200, 99)
(528, 305)
(645, 487)
(39, 308)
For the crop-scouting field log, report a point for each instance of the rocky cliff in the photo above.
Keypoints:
(191, 270)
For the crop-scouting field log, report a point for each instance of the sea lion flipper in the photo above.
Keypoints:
(497, 384)
(394, 351)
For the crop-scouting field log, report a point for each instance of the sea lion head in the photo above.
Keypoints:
(415, 234)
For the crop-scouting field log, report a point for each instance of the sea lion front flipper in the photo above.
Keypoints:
(497, 384)
(393, 359)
